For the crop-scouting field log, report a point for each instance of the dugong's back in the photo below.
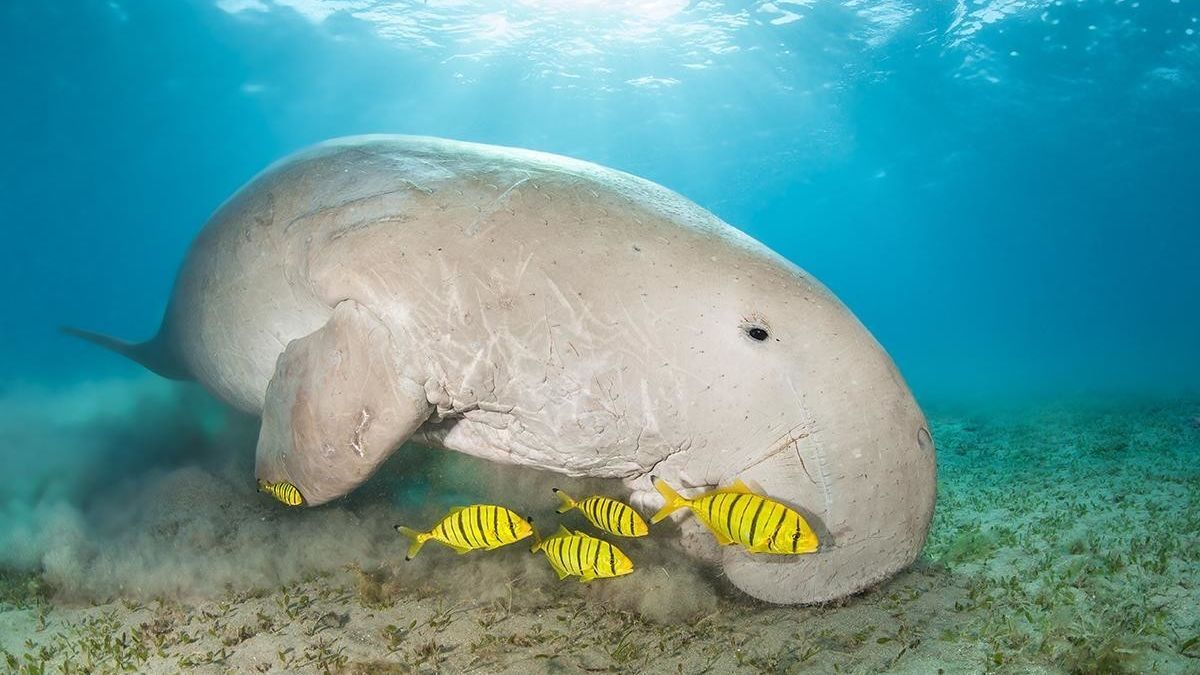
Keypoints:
(336, 220)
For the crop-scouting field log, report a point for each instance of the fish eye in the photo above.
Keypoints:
(796, 536)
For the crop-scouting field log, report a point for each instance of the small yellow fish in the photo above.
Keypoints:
(283, 491)
(607, 514)
(582, 555)
(737, 515)
(468, 528)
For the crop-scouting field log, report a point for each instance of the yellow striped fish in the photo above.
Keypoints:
(737, 515)
(468, 528)
(607, 514)
(283, 491)
(583, 556)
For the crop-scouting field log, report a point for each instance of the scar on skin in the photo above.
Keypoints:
(792, 441)
(364, 421)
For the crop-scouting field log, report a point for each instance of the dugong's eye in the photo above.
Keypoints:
(758, 333)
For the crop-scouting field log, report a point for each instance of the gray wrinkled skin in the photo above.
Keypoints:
(537, 310)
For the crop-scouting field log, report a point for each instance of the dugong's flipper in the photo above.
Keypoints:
(340, 401)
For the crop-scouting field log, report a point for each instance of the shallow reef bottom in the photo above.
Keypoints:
(1066, 539)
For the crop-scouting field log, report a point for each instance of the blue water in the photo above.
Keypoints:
(1004, 192)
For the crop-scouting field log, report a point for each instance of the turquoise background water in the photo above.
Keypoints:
(1005, 192)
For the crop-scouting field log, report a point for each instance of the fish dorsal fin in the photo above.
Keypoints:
(739, 486)
(455, 509)
(581, 533)
(562, 531)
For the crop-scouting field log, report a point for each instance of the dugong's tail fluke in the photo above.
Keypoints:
(150, 354)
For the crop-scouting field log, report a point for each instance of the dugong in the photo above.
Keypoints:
(533, 309)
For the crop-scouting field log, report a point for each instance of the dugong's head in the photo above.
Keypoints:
(790, 393)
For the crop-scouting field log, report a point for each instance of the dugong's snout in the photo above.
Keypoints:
(861, 469)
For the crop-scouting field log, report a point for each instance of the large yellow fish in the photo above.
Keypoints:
(575, 553)
(283, 491)
(468, 528)
(738, 516)
(607, 514)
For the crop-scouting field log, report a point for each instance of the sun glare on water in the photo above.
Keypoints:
(650, 10)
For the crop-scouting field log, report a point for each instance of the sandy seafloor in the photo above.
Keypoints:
(1066, 539)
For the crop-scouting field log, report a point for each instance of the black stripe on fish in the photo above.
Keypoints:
(729, 517)
(754, 521)
(778, 526)
(477, 526)
(465, 526)
(589, 552)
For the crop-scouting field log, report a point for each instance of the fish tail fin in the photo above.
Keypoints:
(567, 502)
(537, 539)
(151, 354)
(674, 499)
(418, 540)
